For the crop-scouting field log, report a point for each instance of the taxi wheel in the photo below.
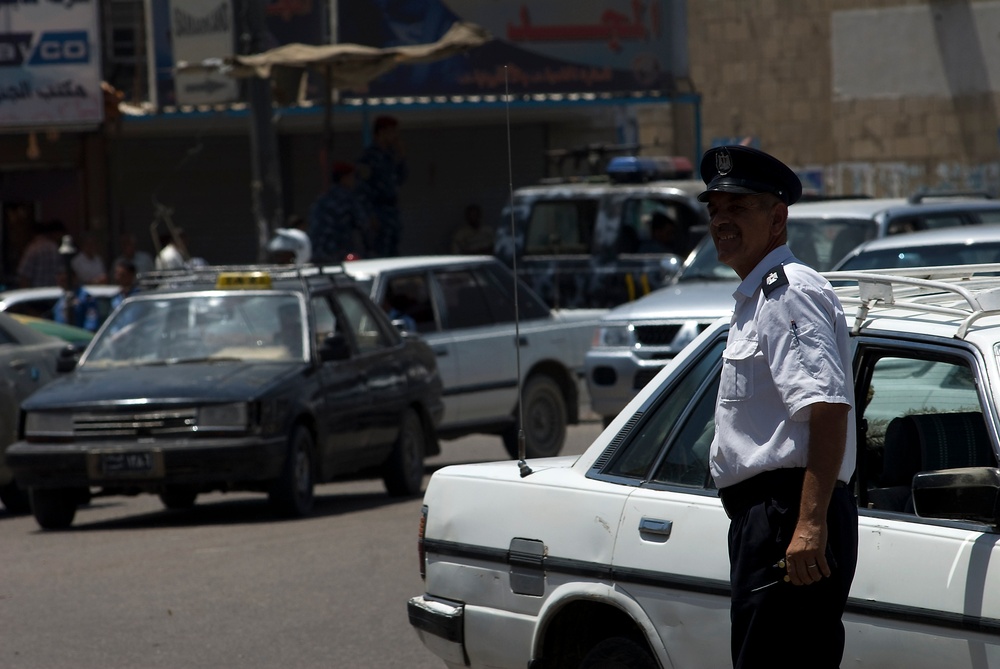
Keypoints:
(178, 497)
(544, 420)
(14, 499)
(55, 508)
(618, 653)
(403, 472)
(291, 494)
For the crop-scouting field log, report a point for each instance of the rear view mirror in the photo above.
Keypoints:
(66, 362)
(334, 347)
(968, 493)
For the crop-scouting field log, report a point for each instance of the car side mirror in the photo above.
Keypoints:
(66, 362)
(967, 493)
(334, 347)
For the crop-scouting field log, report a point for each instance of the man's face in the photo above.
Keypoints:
(745, 228)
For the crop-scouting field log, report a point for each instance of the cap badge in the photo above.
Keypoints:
(723, 162)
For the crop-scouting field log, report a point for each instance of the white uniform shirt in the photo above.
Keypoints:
(170, 258)
(786, 350)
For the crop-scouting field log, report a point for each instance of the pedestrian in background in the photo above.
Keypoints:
(88, 265)
(473, 236)
(76, 306)
(338, 223)
(142, 261)
(40, 263)
(382, 170)
(173, 250)
(784, 448)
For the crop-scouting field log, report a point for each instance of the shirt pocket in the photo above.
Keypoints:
(737, 370)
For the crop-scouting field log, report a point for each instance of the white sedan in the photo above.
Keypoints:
(623, 550)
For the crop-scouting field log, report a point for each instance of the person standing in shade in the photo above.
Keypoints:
(142, 261)
(473, 236)
(785, 442)
(337, 220)
(382, 170)
(41, 263)
(88, 265)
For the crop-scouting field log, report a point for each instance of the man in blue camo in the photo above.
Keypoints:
(338, 223)
(382, 170)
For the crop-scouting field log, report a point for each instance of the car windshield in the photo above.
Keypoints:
(818, 242)
(202, 327)
(925, 256)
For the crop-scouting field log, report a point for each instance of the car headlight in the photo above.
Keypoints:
(615, 336)
(228, 417)
(39, 425)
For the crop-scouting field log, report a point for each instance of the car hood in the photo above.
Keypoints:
(209, 382)
(688, 300)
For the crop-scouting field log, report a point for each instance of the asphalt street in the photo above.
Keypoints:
(225, 584)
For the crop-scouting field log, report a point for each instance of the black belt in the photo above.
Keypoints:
(773, 484)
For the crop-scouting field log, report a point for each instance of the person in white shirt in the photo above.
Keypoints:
(88, 265)
(785, 441)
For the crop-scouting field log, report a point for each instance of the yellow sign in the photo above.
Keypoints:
(231, 280)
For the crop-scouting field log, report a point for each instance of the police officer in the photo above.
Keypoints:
(337, 219)
(382, 170)
(785, 441)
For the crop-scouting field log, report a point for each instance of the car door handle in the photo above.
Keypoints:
(656, 526)
(440, 351)
(522, 341)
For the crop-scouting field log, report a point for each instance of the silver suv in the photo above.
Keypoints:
(637, 339)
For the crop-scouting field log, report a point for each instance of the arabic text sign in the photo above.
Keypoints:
(558, 46)
(50, 65)
(202, 30)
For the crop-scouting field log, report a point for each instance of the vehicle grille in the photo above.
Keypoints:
(134, 424)
(656, 335)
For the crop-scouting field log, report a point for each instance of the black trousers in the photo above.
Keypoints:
(776, 624)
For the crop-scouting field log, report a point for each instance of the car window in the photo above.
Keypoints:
(635, 234)
(920, 414)
(408, 295)
(368, 334)
(675, 421)
(323, 318)
(464, 301)
(560, 226)
(499, 284)
(925, 256)
(211, 326)
(987, 216)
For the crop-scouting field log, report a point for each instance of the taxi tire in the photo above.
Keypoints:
(54, 508)
(403, 472)
(15, 499)
(544, 418)
(177, 497)
(618, 653)
(292, 494)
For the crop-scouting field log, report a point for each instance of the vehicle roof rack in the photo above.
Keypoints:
(970, 292)
(163, 278)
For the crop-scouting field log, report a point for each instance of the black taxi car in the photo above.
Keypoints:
(262, 379)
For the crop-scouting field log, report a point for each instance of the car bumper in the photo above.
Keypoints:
(615, 376)
(205, 461)
(440, 625)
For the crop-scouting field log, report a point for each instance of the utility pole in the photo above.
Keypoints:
(265, 184)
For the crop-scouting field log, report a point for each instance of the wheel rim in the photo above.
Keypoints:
(303, 478)
(542, 422)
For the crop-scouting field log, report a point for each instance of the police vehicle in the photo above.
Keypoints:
(590, 241)
(267, 379)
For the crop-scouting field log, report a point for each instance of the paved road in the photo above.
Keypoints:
(224, 584)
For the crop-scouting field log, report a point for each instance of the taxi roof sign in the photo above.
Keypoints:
(236, 280)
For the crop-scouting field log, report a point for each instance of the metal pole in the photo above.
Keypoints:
(265, 185)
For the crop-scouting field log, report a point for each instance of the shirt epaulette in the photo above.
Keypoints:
(774, 278)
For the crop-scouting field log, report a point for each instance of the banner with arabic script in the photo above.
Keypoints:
(202, 29)
(50, 65)
(556, 46)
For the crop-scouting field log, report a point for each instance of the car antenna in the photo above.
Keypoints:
(521, 463)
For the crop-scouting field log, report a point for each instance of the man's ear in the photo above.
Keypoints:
(779, 219)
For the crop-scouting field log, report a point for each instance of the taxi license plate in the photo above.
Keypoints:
(125, 464)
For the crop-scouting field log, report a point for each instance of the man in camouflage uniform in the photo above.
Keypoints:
(337, 219)
(382, 169)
